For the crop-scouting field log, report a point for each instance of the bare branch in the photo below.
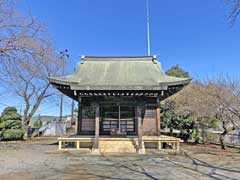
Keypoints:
(27, 58)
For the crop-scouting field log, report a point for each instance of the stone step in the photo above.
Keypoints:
(117, 146)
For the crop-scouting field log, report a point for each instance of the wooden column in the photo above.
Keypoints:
(159, 145)
(78, 144)
(178, 146)
(141, 148)
(60, 145)
(158, 128)
(95, 149)
(79, 122)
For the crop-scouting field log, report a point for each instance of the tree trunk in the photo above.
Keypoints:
(197, 136)
(203, 135)
(171, 132)
(222, 141)
(222, 136)
(28, 115)
(26, 128)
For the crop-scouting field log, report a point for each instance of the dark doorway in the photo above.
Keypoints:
(117, 117)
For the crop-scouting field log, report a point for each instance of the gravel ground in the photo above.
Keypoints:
(41, 160)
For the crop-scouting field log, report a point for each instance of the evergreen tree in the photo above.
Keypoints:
(172, 120)
(10, 124)
(177, 71)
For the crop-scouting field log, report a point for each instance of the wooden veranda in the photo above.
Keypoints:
(127, 144)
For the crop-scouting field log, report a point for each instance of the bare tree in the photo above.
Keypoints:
(225, 96)
(27, 59)
(17, 32)
(235, 10)
(216, 99)
(194, 101)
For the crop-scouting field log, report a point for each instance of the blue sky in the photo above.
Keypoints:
(192, 33)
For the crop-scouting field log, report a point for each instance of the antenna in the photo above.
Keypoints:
(148, 32)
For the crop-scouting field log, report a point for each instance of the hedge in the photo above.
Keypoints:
(12, 134)
(10, 124)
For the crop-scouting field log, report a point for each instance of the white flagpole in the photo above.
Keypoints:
(148, 31)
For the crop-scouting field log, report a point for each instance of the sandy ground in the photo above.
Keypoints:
(41, 160)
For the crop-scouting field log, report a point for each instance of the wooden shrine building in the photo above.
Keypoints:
(119, 102)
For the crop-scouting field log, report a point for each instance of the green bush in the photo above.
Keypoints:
(12, 116)
(12, 134)
(213, 138)
(10, 124)
(9, 110)
(10, 113)
(37, 124)
(196, 136)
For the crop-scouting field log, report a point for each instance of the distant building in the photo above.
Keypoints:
(51, 125)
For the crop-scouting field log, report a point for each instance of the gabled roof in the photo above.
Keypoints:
(119, 73)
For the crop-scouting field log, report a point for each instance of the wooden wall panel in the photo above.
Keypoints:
(88, 124)
(88, 118)
(149, 121)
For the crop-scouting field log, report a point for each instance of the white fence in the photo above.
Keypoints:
(233, 139)
(230, 139)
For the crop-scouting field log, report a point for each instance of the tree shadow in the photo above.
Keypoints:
(200, 163)
(79, 172)
(141, 170)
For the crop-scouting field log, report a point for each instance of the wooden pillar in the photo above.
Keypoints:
(174, 145)
(79, 122)
(60, 145)
(158, 128)
(141, 148)
(178, 146)
(159, 145)
(78, 144)
(95, 149)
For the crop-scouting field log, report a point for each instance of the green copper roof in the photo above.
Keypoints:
(119, 73)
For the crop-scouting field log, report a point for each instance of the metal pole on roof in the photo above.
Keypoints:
(148, 31)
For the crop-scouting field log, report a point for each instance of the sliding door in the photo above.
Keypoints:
(117, 117)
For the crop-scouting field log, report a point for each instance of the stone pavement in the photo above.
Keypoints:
(40, 160)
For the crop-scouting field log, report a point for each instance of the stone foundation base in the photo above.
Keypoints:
(122, 144)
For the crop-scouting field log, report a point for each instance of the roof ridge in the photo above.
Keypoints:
(118, 58)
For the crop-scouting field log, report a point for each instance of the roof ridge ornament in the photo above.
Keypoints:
(154, 59)
(82, 57)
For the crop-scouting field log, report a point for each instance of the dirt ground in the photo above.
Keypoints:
(41, 160)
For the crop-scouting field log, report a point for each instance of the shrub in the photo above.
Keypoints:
(12, 134)
(10, 113)
(37, 124)
(11, 116)
(9, 110)
(196, 136)
(10, 124)
(212, 138)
